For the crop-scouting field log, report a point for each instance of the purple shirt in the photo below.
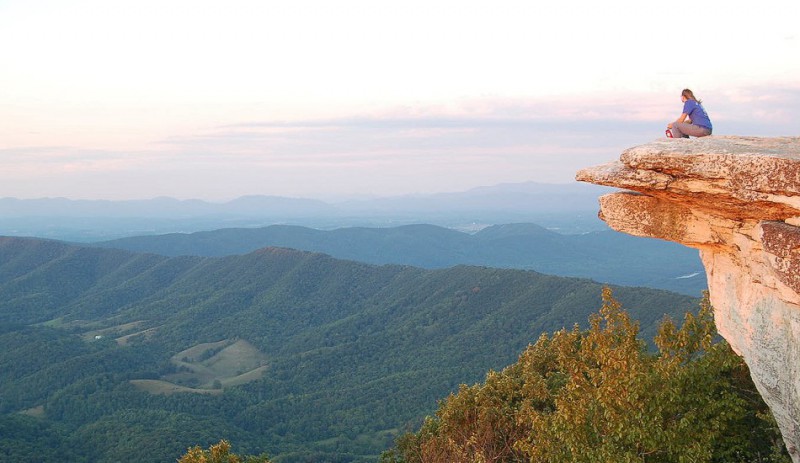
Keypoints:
(697, 114)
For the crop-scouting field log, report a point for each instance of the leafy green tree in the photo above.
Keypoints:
(219, 453)
(599, 395)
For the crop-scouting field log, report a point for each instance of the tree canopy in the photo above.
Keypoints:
(219, 453)
(600, 395)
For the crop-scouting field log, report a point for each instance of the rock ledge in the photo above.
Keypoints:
(737, 200)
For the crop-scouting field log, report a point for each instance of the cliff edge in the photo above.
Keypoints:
(737, 200)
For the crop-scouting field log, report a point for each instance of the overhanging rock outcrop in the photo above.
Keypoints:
(737, 200)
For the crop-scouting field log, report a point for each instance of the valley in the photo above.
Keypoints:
(304, 356)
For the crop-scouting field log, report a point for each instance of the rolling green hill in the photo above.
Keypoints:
(109, 355)
(605, 256)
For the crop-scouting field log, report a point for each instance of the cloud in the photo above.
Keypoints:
(763, 110)
(391, 154)
(48, 160)
(481, 128)
(479, 142)
(420, 149)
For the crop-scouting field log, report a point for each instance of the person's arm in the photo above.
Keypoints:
(680, 119)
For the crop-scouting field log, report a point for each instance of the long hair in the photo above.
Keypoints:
(690, 95)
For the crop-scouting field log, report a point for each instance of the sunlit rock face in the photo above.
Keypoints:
(737, 200)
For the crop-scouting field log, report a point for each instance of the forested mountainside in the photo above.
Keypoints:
(605, 256)
(110, 355)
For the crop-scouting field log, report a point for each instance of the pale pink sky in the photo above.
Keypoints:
(214, 100)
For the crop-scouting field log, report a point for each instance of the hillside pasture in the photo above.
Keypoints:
(213, 365)
(117, 330)
(158, 387)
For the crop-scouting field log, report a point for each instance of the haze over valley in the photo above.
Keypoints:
(568, 208)
(549, 228)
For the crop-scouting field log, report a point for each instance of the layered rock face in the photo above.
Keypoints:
(737, 200)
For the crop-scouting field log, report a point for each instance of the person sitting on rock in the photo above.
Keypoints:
(694, 120)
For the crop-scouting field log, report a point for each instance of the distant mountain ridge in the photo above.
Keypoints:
(571, 207)
(605, 256)
(125, 356)
(521, 197)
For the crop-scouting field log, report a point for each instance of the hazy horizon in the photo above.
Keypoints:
(333, 199)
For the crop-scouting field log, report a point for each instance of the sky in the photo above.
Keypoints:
(118, 99)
